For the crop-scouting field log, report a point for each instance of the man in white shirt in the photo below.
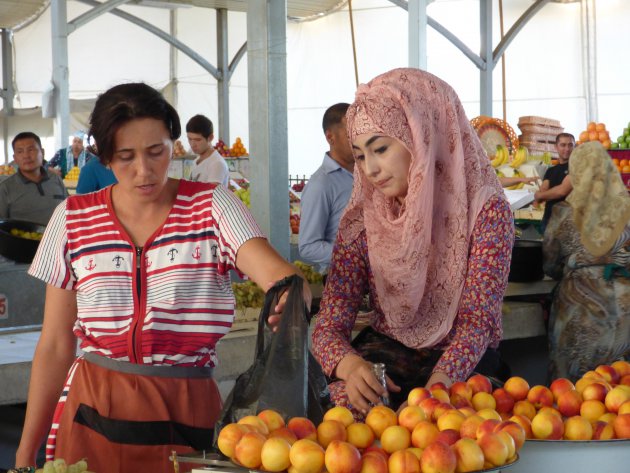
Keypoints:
(209, 165)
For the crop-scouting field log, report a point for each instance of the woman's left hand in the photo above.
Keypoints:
(274, 319)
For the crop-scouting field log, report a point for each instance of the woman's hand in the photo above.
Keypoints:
(274, 319)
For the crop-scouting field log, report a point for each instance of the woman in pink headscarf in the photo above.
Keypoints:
(428, 234)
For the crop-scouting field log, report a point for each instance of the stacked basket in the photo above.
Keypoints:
(539, 134)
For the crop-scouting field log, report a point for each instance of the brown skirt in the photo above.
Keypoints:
(128, 422)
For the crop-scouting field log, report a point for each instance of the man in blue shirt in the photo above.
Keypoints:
(327, 192)
(94, 176)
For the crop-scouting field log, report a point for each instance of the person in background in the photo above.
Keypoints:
(587, 247)
(32, 193)
(209, 165)
(71, 156)
(94, 175)
(327, 192)
(428, 232)
(139, 272)
(556, 184)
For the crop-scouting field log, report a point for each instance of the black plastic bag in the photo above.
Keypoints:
(284, 376)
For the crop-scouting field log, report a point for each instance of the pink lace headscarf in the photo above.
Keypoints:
(419, 253)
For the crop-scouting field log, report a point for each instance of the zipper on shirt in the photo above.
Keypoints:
(136, 325)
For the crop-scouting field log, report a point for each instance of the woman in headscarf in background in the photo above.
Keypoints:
(586, 246)
(428, 233)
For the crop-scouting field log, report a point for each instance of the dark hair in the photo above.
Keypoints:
(200, 124)
(24, 136)
(334, 114)
(564, 135)
(123, 103)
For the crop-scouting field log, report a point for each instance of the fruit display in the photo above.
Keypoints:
(16, 232)
(6, 170)
(178, 149)
(494, 132)
(309, 272)
(595, 132)
(248, 294)
(521, 164)
(299, 186)
(59, 465)
(73, 174)
(237, 150)
(538, 134)
(294, 221)
(623, 141)
(244, 195)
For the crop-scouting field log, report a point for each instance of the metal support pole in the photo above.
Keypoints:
(417, 17)
(59, 20)
(223, 83)
(267, 104)
(172, 58)
(589, 59)
(8, 92)
(485, 73)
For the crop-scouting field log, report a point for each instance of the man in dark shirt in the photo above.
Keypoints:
(556, 183)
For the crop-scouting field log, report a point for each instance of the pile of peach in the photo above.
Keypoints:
(595, 132)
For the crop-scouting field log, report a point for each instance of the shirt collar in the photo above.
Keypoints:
(330, 165)
(25, 180)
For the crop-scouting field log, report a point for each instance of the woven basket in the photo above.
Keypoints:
(537, 138)
(493, 132)
(542, 129)
(533, 120)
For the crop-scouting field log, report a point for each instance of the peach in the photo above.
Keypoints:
(625, 380)
(592, 409)
(569, 403)
(360, 435)
(416, 395)
(479, 383)
(577, 428)
(428, 406)
(488, 413)
(486, 427)
(595, 391)
(509, 443)
(525, 423)
(516, 431)
(448, 436)
(376, 449)
(503, 400)
(622, 367)
(395, 437)
(469, 427)
(438, 458)
(441, 408)
(615, 398)
(342, 457)
(403, 461)
(329, 430)
(409, 416)
(524, 408)
(603, 431)
(248, 449)
(469, 455)
(594, 375)
(482, 400)
(494, 448)
(467, 411)
(539, 396)
(621, 424)
(379, 418)
(341, 414)
(608, 373)
(416, 451)
(256, 422)
(550, 410)
(458, 401)
(461, 388)
(273, 419)
(559, 386)
(229, 437)
(274, 455)
(423, 434)
(624, 408)
(581, 383)
(451, 419)
(373, 462)
(608, 417)
(547, 426)
(303, 428)
(441, 395)
(307, 456)
(438, 385)
(517, 387)
(285, 433)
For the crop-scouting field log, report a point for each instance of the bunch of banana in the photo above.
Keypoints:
(516, 186)
(546, 157)
(502, 156)
(520, 157)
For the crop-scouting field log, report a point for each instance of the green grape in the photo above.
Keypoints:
(60, 465)
(73, 469)
(81, 465)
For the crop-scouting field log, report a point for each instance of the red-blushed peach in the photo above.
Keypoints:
(438, 458)
(483, 400)
(458, 401)
(440, 409)
(372, 462)
(569, 403)
(416, 395)
(329, 430)
(256, 422)
(595, 391)
(581, 383)
(467, 411)
(403, 461)
(342, 457)
(550, 410)
(448, 436)
(539, 396)
(615, 398)
(603, 431)
(462, 388)
(423, 434)
(608, 417)
(307, 456)
(379, 418)
(469, 456)
(592, 409)
(360, 435)
(577, 428)
(488, 413)
(547, 426)
(621, 424)
(303, 428)
(487, 426)
(624, 408)
(524, 422)
(395, 437)
(515, 430)
(428, 406)
(517, 387)
(509, 443)
(285, 433)
(409, 416)
(608, 373)
(504, 401)
(274, 455)
(494, 448)
(438, 385)
(469, 427)
(451, 419)
(376, 449)
(625, 380)
(416, 451)
(592, 374)
(622, 367)
(524, 408)
(229, 437)
(441, 395)
(559, 386)
(248, 449)
(479, 383)
(273, 419)
(341, 414)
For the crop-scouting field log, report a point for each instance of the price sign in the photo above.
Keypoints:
(4, 306)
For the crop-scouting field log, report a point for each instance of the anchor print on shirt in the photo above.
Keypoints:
(197, 253)
(171, 254)
(118, 260)
(90, 266)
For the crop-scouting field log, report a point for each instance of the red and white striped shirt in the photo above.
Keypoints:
(186, 302)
